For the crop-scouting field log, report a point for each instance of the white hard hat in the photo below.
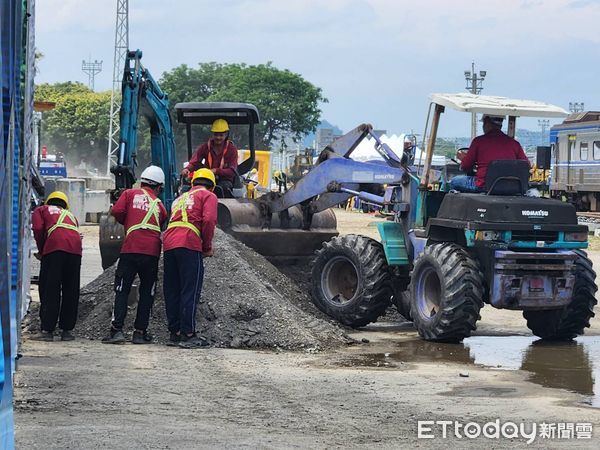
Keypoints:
(153, 175)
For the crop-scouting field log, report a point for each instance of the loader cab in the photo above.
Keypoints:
(508, 178)
(242, 117)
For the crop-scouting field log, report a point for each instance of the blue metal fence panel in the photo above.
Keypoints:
(14, 190)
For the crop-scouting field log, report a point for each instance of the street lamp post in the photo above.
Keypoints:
(474, 86)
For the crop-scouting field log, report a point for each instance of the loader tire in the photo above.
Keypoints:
(447, 291)
(569, 321)
(351, 280)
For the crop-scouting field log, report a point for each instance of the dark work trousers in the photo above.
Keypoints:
(59, 290)
(130, 265)
(184, 273)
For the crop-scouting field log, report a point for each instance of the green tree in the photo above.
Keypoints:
(288, 104)
(78, 125)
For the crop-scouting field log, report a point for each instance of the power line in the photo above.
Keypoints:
(544, 124)
(121, 47)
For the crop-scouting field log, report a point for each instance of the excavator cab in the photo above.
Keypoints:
(205, 113)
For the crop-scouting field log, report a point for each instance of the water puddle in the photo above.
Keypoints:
(574, 366)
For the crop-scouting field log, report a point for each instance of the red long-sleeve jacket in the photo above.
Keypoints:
(492, 146)
(130, 210)
(61, 239)
(201, 208)
(225, 162)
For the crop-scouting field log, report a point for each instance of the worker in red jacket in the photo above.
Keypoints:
(187, 240)
(142, 214)
(220, 156)
(56, 232)
(493, 145)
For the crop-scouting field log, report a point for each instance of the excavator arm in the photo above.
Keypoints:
(299, 221)
(141, 97)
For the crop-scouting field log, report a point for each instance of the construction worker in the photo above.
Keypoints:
(491, 146)
(220, 156)
(56, 233)
(281, 180)
(187, 240)
(252, 183)
(142, 214)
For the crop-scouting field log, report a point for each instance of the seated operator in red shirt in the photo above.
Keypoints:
(220, 156)
(493, 145)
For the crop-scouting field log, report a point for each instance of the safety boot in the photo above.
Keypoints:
(115, 337)
(141, 337)
(66, 335)
(46, 336)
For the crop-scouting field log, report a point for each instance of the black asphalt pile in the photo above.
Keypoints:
(246, 303)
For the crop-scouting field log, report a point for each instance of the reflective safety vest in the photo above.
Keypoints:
(210, 160)
(60, 223)
(153, 211)
(181, 205)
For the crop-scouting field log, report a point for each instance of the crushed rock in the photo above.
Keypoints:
(246, 302)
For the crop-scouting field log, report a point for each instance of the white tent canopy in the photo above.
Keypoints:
(502, 106)
(365, 151)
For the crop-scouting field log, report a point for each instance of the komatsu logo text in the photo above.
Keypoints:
(538, 213)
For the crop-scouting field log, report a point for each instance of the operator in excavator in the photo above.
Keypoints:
(142, 214)
(187, 241)
(220, 156)
(56, 233)
(491, 146)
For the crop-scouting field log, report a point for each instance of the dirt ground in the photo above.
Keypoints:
(83, 394)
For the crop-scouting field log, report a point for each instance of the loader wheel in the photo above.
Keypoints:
(569, 321)
(351, 280)
(446, 292)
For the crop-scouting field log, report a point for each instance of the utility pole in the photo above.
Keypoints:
(474, 86)
(576, 107)
(544, 124)
(91, 69)
(121, 47)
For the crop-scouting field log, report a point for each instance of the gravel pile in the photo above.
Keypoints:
(246, 303)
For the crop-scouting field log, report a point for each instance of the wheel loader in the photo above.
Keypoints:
(444, 255)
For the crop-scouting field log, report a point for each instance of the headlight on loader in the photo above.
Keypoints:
(578, 236)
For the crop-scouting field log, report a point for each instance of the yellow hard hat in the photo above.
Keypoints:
(277, 174)
(253, 171)
(206, 174)
(220, 126)
(59, 195)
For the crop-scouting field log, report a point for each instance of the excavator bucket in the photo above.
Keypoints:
(112, 235)
(242, 219)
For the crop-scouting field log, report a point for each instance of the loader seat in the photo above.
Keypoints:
(507, 177)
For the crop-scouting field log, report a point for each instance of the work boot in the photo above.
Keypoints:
(115, 337)
(174, 339)
(141, 337)
(193, 341)
(46, 336)
(66, 335)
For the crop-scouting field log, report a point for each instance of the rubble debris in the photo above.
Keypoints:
(246, 303)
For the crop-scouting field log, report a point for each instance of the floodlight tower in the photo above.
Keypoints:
(121, 47)
(91, 69)
(474, 86)
(576, 107)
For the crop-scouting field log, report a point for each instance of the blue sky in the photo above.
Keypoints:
(376, 60)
